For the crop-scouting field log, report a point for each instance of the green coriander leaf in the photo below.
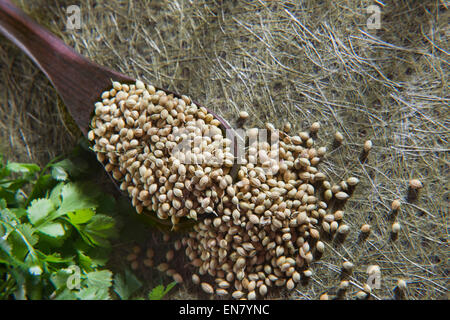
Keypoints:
(39, 209)
(99, 279)
(55, 194)
(69, 167)
(59, 174)
(54, 229)
(80, 216)
(159, 292)
(60, 277)
(56, 258)
(92, 293)
(19, 212)
(169, 287)
(28, 168)
(87, 293)
(28, 232)
(75, 197)
(99, 256)
(5, 246)
(99, 229)
(126, 285)
(66, 294)
(156, 293)
(85, 261)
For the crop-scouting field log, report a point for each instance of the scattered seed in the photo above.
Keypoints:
(396, 205)
(367, 146)
(365, 228)
(396, 227)
(415, 184)
(243, 115)
(339, 137)
(401, 285)
(324, 296)
(347, 266)
(207, 288)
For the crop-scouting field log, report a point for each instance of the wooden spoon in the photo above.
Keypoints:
(79, 81)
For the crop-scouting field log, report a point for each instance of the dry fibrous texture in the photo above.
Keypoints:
(297, 61)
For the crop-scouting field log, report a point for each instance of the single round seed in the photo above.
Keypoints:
(401, 285)
(207, 287)
(134, 265)
(320, 246)
(195, 279)
(315, 126)
(177, 278)
(343, 285)
(373, 269)
(415, 184)
(341, 195)
(324, 296)
(338, 137)
(367, 146)
(308, 273)
(352, 181)
(396, 227)
(361, 295)
(347, 266)
(237, 294)
(396, 205)
(365, 228)
(367, 288)
(343, 229)
(287, 127)
(148, 262)
(263, 290)
(243, 115)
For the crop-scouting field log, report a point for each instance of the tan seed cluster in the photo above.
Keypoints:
(263, 229)
(268, 224)
(136, 130)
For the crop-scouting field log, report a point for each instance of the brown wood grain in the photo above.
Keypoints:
(78, 81)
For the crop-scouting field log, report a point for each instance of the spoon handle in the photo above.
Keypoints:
(39, 44)
(78, 81)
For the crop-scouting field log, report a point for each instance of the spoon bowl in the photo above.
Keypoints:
(79, 81)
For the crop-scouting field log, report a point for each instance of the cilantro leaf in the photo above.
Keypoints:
(99, 229)
(75, 197)
(126, 285)
(80, 216)
(59, 174)
(158, 292)
(54, 229)
(39, 209)
(92, 293)
(28, 168)
(99, 279)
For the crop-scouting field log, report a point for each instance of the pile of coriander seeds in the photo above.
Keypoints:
(259, 232)
(269, 237)
(137, 133)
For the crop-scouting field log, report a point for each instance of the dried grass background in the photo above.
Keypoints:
(297, 61)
